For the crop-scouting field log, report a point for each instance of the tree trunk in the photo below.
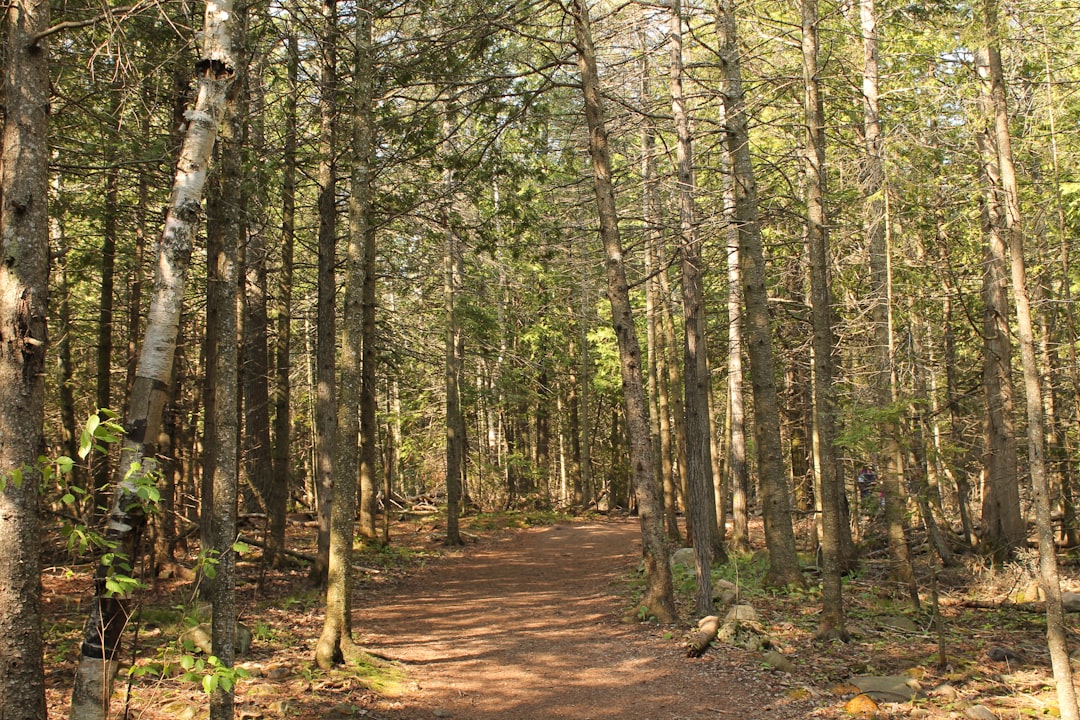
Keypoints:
(363, 223)
(255, 368)
(135, 288)
(233, 195)
(453, 269)
(336, 644)
(737, 470)
(1067, 361)
(701, 502)
(585, 403)
(672, 382)
(776, 502)
(658, 598)
(963, 487)
(24, 284)
(66, 394)
(326, 352)
(176, 427)
(873, 187)
(654, 307)
(921, 479)
(106, 300)
(282, 430)
(1003, 529)
(216, 205)
(346, 475)
(1048, 566)
(108, 614)
(831, 623)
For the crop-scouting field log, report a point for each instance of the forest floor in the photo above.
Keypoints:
(532, 621)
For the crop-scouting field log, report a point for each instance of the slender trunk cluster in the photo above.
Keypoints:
(1001, 143)
(701, 502)
(874, 223)
(776, 499)
(659, 594)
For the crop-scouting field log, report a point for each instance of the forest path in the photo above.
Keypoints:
(527, 626)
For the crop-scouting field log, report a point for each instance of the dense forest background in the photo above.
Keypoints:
(400, 218)
(479, 136)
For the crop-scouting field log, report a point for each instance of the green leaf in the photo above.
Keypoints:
(86, 439)
(209, 683)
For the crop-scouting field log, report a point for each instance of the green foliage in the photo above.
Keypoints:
(209, 558)
(684, 580)
(382, 677)
(210, 673)
(515, 519)
(100, 431)
(119, 582)
(745, 570)
(62, 640)
(389, 556)
(263, 633)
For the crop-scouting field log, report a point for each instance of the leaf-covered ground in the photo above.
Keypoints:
(533, 619)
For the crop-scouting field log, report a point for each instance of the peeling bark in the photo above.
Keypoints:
(126, 520)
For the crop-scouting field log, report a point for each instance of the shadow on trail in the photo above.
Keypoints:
(528, 627)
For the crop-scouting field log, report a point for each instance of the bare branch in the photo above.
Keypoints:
(74, 24)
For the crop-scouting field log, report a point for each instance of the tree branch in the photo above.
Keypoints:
(73, 24)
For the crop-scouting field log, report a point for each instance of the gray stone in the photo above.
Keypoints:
(725, 598)
(684, 557)
(200, 638)
(341, 711)
(887, 688)
(196, 638)
(898, 622)
(980, 712)
(741, 613)
(1004, 654)
(279, 672)
(1070, 601)
(776, 660)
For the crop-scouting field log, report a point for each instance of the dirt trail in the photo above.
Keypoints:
(528, 627)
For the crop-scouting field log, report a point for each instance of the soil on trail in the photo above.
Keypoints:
(529, 626)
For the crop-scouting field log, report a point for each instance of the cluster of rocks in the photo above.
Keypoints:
(741, 627)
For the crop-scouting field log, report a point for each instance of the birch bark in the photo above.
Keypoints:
(109, 612)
